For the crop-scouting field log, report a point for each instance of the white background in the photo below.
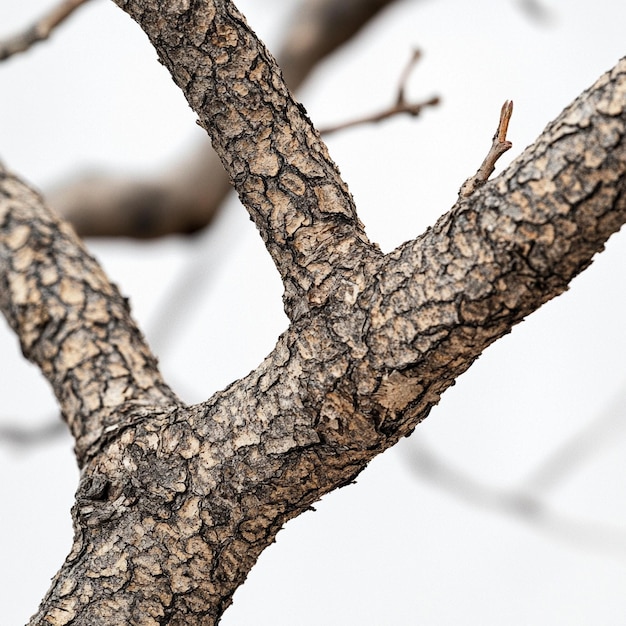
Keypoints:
(399, 547)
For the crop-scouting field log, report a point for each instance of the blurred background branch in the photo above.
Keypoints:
(40, 30)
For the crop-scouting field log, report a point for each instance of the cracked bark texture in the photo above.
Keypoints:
(71, 321)
(175, 503)
(186, 197)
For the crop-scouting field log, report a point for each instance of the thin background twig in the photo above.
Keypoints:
(40, 30)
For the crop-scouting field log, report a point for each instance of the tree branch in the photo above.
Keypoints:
(181, 200)
(274, 157)
(70, 320)
(40, 30)
(499, 146)
(400, 107)
(175, 505)
(185, 198)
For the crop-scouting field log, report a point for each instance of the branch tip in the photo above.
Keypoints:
(500, 144)
(505, 117)
(416, 55)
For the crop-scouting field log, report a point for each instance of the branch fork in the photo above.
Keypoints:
(176, 506)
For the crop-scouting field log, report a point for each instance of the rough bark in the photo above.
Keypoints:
(70, 320)
(175, 503)
(186, 198)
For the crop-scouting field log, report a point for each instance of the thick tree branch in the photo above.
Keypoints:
(511, 246)
(274, 157)
(176, 504)
(70, 320)
(182, 200)
(186, 197)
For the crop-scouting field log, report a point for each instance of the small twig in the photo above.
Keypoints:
(499, 146)
(401, 106)
(406, 74)
(409, 109)
(40, 30)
